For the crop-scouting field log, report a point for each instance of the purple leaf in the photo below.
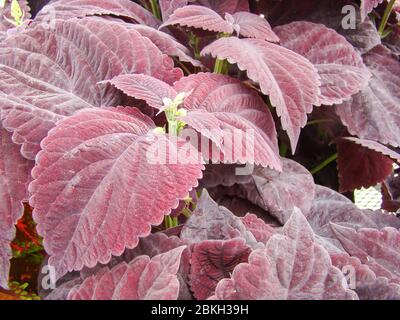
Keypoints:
(141, 279)
(362, 163)
(278, 192)
(366, 284)
(244, 23)
(79, 193)
(14, 178)
(213, 222)
(199, 17)
(260, 230)
(373, 113)
(291, 267)
(226, 6)
(224, 110)
(330, 206)
(379, 289)
(367, 6)
(68, 9)
(378, 249)
(341, 68)
(212, 261)
(166, 43)
(47, 78)
(169, 6)
(254, 26)
(277, 70)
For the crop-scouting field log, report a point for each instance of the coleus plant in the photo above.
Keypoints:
(151, 140)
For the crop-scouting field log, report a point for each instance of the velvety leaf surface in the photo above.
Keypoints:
(278, 71)
(278, 192)
(379, 289)
(146, 88)
(212, 261)
(233, 116)
(88, 162)
(169, 6)
(331, 206)
(260, 230)
(166, 43)
(376, 248)
(254, 26)
(199, 17)
(141, 279)
(340, 66)
(68, 9)
(50, 74)
(363, 280)
(14, 178)
(213, 222)
(291, 267)
(374, 113)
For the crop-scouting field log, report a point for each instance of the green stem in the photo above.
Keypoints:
(324, 163)
(312, 122)
(155, 9)
(386, 16)
(221, 66)
(283, 150)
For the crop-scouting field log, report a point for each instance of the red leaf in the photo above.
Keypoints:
(277, 192)
(213, 222)
(220, 107)
(199, 17)
(14, 178)
(48, 78)
(277, 70)
(79, 193)
(141, 279)
(213, 261)
(291, 267)
(254, 26)
(360, 165)
(340, 66)
(260, 230)
(68, 9)
(169, 6)
(377, 249)
(374, 112)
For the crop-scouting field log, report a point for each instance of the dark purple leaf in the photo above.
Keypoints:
(79, 193)
(341, 68)
(212, 261)
(373, 113)
(213, 222)
(292, 267)
(362, 163)
(278, 192)
(378, 249)
(277, 70)
(260, 230)
(142, 279)
(225, 6)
